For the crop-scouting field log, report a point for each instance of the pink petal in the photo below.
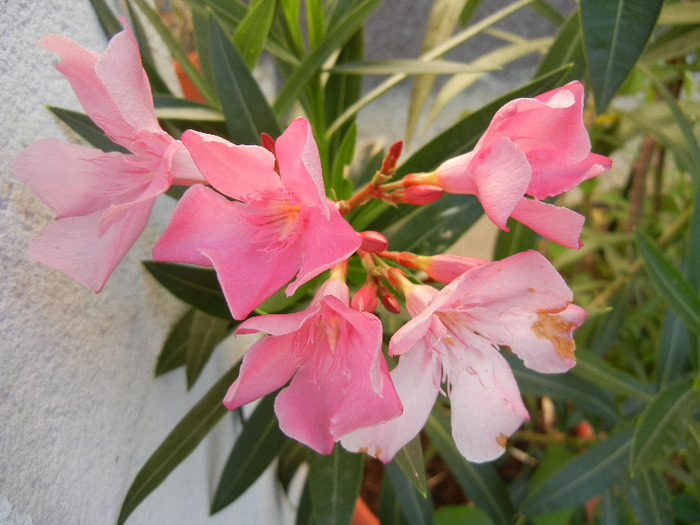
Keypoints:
(486, 404)
(300, 164)
(561, 177)
(277, 324)
(266, 366)
(555, 223)
(326, 242)
(241, 172)
(75, 246)
(417, 382)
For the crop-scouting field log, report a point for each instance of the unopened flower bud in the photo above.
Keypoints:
(416, 179)
(267, 142)
(390, 302)
(373, 242)
(444, 268)
(417, 195)
(389, 162)
(365, 299)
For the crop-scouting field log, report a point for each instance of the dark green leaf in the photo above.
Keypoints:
(334, 39)
(566, 49)
(663, 425)
(672, 358)
(305, 514)
(246, 110)
(205, 332)
(416, 507)
(518, 239)
(109, 22)
(196, 286)
(251, 34)
(410, 460)
(679, 294)
(591, 368)
(584, 477)
(614, 35)
(390, 512)
(334, 481)
(174, 352)
(184, 438)
(461, 515)
(340, 186)
(693, 448)
(258, 444)
(158, 85)
(650, 498)
(86, 128)
(480, 482)
(293, 455)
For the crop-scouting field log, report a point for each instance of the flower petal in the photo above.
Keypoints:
(555, 223)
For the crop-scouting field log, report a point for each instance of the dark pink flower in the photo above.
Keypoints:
(520, 303)
(333, 356)
(102, 200)
(280, 225)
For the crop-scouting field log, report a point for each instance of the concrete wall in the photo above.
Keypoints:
(79, 409)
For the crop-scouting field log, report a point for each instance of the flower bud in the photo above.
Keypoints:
(373, 242)
(389, 162)
(417, 195)
(444, 268)
(267, 142)
(390, 302)
(365, 299)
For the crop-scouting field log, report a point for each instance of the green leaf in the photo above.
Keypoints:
(584, 477)
(682, 14)
(251, 34)
(679, 294)
(650, 498)
(674, 346)
(86, 128)
(305, 514)
(173, 108)
(480, 482)
(390, 512)
(693, 458)
(256, 447)
(196, 286)
(518, 239)
(292, 456)
(184, 438)
(174, 352)
(566, 49)
(246, 110)
(410, 460)
(663, 425)
(591, 368)
(334, 481)
(109, 22)
(408, 67)
(417, 509)
(614, 35)
(176, 50)
(340, 186)
(461, 515)
(674, 43)
(334, 39)
(205, 332)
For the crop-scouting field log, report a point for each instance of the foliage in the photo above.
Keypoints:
(617, 440)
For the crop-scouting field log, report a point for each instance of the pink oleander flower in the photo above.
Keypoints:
(521, 304)
(533, 146)
(333, 356)
(102, 200)
(280, 225)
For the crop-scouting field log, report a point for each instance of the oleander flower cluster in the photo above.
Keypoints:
(259, 215)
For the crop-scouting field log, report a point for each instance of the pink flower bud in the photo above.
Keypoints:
(389, 162)
(417, 195)
(373, 242)
(444, 268)
(390, 302)
(365, 299)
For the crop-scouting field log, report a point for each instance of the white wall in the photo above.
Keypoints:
(79, 409)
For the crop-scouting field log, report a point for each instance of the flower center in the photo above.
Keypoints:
(275, 222)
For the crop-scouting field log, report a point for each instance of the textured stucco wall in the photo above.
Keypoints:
(79, 409)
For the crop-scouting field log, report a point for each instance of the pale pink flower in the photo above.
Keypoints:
(521, 304)
(102, 200)
(333, 356)
(533, 146)
(281, 224)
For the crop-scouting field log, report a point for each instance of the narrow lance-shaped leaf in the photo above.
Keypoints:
(650, 498)
(417, 509)
(196, 286)
(480, 482)
(410, 460)
(679, 294)
(258, 444)
(174, 352)
(86, 128)
(205, 332)
(334, 481)
(184, 438)
(246, 110)
(584, 477)
(614, 35)
(663, 425)
(251, 34)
